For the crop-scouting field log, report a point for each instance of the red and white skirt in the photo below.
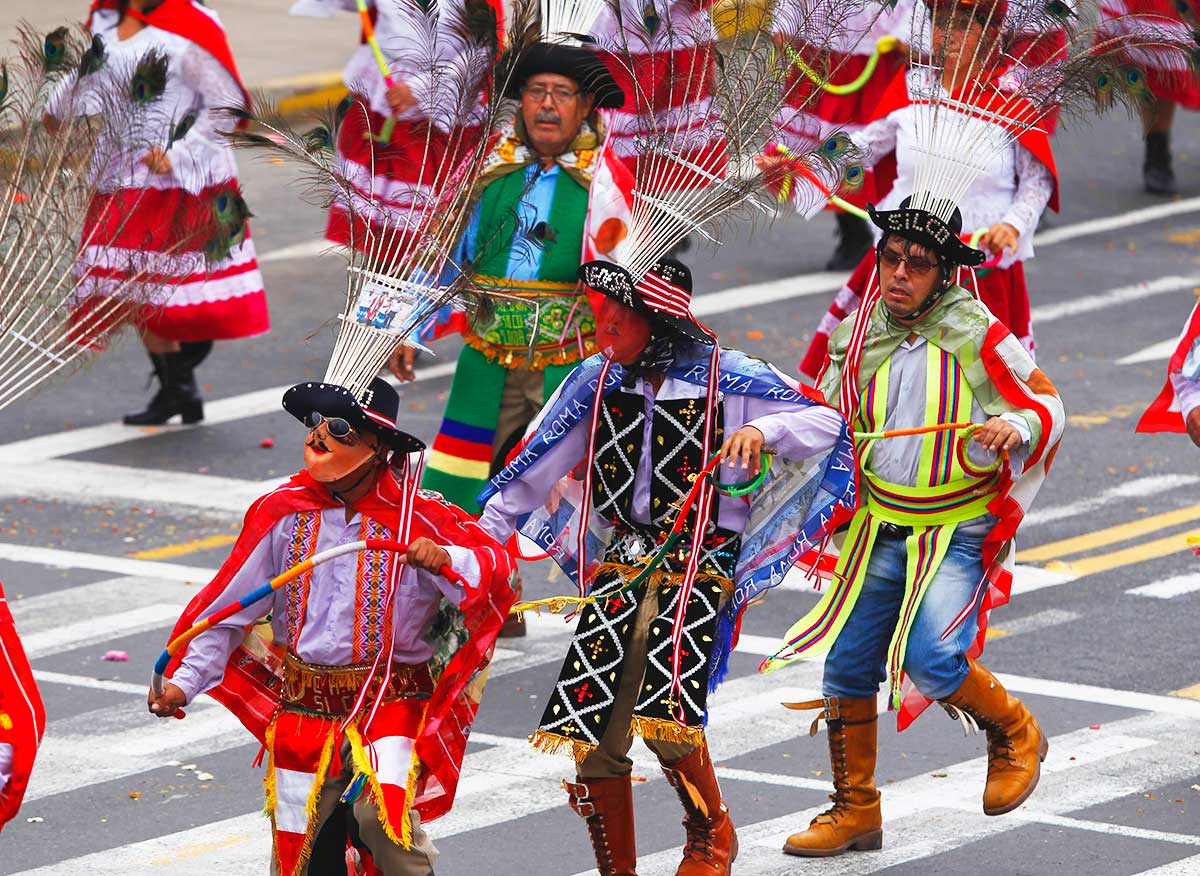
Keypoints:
(393, 184)
(676, 87)
(1002, 290)
(164, 231)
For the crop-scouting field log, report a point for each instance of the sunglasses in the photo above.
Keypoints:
(335, 426)
(915, 265)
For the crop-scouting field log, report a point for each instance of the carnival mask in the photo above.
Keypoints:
(621, 332)
(329, 458)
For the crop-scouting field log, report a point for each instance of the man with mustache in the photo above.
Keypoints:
(928, 553)
(363, 686)
(615, 451)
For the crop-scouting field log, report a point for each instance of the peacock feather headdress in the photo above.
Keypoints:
(401, 270)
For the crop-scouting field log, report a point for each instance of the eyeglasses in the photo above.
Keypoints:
(915, 265)
(335, 426)
(538, 93)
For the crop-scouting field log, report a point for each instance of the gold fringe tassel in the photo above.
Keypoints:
(665, 731)
(362, 763)
(552, 743)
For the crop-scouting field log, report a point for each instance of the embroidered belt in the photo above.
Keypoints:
(331, 691)
(534, 323)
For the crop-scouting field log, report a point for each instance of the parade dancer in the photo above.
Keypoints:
(187, 58)
(864, 56)
(22, 717)
(365, 690)
(639, 422)
(1172, 82)
(1007, 199)
(930, 550)
(523, 245)
(1177, 408)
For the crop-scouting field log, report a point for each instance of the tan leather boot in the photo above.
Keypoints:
(854, 823)
(607, 807)
(1016, 744)
(711, 840)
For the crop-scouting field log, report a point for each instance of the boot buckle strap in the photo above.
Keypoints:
(579, 798)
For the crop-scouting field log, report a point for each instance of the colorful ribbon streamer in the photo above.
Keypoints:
(181, 641)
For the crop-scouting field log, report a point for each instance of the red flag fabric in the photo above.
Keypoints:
(22, 715)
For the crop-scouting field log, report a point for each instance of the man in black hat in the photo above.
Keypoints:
(973, 426)
(524, 240)
(640, 422)
(367, 678)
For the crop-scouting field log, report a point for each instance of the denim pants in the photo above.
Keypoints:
(857, 663)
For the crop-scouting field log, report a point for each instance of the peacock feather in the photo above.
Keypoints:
(183, 126)
(54, 50)
(401, 244)
(149, 80)
(93, 57)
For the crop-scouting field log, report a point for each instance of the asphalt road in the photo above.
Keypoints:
(125, 522)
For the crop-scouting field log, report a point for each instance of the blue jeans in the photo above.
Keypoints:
(857, 664)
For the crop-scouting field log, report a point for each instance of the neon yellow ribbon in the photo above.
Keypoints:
(882, 47)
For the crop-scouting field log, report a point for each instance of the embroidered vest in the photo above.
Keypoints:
(676, 448)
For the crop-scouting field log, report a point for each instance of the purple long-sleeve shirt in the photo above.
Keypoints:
(327, 635)
(788, 433)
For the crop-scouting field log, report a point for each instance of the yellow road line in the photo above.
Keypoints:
(1139, 553)
(166, 552)
(1112, 535)
(311, 101)
(1192, 692)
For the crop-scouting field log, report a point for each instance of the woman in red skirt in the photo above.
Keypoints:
(153, 205)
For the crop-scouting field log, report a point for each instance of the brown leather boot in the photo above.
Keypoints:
(854, 823)
(1016, 744)
(711, 841)
(607, 806)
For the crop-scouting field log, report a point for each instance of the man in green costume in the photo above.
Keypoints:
(525, 239)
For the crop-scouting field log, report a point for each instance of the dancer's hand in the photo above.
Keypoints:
(156, 159)
(1193, 425)
(400, 97)
(424, 554)
(998, 434)
(401, 364)
(1000, 238)
(172, 700)
(745, 446)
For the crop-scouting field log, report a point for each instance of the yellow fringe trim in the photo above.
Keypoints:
(665, 731)
(514, 358)
(552, 743)
(314, 797)
(362, 764)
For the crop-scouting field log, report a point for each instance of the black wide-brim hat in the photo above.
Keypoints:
(664, 295)
(923, 227)
(584, 66)
(377, 413)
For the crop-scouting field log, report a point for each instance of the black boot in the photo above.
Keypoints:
(177, 393)
(854, 239)
(1157, 174)
(195, 352)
